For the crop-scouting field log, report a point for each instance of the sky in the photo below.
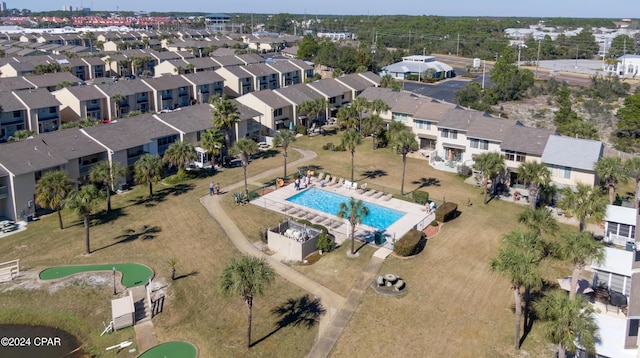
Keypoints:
(538, 8)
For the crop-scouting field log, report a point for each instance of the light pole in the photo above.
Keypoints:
(484, 67)
(114, 281)
(604, 51)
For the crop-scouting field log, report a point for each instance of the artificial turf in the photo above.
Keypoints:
(171, 349)
(132, 274)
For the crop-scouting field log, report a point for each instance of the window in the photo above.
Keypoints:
(17, 114)
(198, 135)
(444, 133)
(402, 117)
(423, 125)
(94, 101)
(515, 156)
(560, 171)
(277, 112)
(479, 144)
(332, 100)
(52, 109)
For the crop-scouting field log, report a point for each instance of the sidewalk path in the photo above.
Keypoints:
(330, 300)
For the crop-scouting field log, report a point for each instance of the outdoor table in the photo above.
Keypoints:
(391, 278)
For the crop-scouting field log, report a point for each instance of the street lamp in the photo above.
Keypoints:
(604, 51)
(114, 281)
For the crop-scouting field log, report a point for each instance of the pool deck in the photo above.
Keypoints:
(415, 216)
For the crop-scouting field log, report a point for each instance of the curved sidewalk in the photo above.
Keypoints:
(331, 300)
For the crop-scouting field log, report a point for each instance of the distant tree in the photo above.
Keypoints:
(387, 81)
(148, 170)
(180, 154)
(510, 82)
(490, 164)
(117, 99)
(611, 171)
(283, 138)
(106, 174)
(51, 191)
(225, 117)
(628, 134)
(620, 44)
(308, 48)
(350, 140)
(404, 142)
(360, 104)
(212, 141)
(244, 148)
(84, 201)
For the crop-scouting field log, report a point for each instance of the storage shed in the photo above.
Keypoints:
(294, 240)
(123, 312)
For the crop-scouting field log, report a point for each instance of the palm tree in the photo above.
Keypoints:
(350, 140)
(308, 108)
(585, 201)
(180, 154)
(212, 141)
(106, 174)
(569, 322)
(52, 189)
(373, 126)
(246, 276)
(347, 117)
(538, 220)
(611, 171)
(84, 201)
(581, 248)
(533, 174)
(243, 149)
(117, 99)
(389, 82)
(148, 170)
(20, 135)
(633, 167)
(378, 106)
(284, 138)
(404, 142)
(360, 104)
(225, 117)
(521, 268)
(355, 211)
(490, 164)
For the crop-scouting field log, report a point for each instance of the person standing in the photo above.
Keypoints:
(210, 188)
(217, 188)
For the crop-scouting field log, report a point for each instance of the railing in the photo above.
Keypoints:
(617, 240)
(9, 270)
(166, 96)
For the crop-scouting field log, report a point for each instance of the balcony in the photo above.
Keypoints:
(167, 96)
(4, 192)
(134, 158)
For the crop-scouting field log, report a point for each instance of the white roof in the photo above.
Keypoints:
(620, 214)
(616, 261)
(572, 152)
(612, 332)
(122, 306)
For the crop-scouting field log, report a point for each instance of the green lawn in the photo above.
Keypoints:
(132, 274)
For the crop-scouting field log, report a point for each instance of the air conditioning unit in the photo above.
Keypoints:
(123, 186)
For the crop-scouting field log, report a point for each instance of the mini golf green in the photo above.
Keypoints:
(132, 274)
(171, 349)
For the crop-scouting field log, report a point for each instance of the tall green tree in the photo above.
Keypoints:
(628, 133)
(244, 148)
(373, 126)
(360, 104)
(534, 174)
(581, 248)
(148, 170)
(347, 117)
(84, 201)
(355, 211)
(351, 140)
(51, 191)
(583, 202)
(510, 82)
(284, 138)
(212, 141)
(180, 154)
(569, 322)
(387, 81)
(521, 268)
(378, 106)
(538, 220)
(117, 99)
(611, 171)
(106, 174)
(404, 142)
(490, 164)
(225, 117)
(248, 277)
(621, 45)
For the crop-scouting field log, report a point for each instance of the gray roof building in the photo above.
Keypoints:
(37, 98)
(28, 156)
(527, 140)
(51, 80)
(189, 119)
(126, 133)
(572, 152)
(71, 143)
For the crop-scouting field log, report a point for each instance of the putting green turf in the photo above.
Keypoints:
(171, 349)
(132, 274)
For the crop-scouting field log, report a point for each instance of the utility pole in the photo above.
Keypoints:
(458, 46)
(577, 50)
(519, 49)
(484, 67)
(538, 58)
(409, 42)
(624, 57)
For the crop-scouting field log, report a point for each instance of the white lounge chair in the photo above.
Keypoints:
(354, 186)
(347, 184)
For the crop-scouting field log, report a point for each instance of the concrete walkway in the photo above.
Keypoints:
(328, 340)
(330, 300)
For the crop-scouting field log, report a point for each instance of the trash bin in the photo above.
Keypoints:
(379, 238)
(631, 246)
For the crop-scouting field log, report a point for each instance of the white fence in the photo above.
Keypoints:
(9, 270)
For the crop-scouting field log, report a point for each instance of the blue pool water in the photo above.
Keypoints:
(379, 217)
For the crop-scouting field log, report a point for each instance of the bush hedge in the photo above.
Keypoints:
(446, 211)
(301, 129)
(325, 242)
(315, 226)
(420, 196)
(410, 244)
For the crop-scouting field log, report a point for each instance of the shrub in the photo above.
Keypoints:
(325, 242)
(329, 146)
(308, 223)
(410, 244)
(464, 171)
(434, 223)
(301, 129)
(421, 197)
(339, 148)
(446, 211)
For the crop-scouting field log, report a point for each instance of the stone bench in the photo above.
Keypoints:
(380, 280)
(399, 286)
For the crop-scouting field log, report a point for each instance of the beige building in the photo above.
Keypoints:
(82, 102)
(277, 113)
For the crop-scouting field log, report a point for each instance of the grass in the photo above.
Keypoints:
(454, 307)
(132, 274)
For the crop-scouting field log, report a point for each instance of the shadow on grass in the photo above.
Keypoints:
(104, 217)
(269, 153)
(296, 312)
(161, 195)
(424, 182)
(145, 233)
(192, 273)
(372, 174)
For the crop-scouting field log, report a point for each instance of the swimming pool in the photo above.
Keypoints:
(379, 217)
